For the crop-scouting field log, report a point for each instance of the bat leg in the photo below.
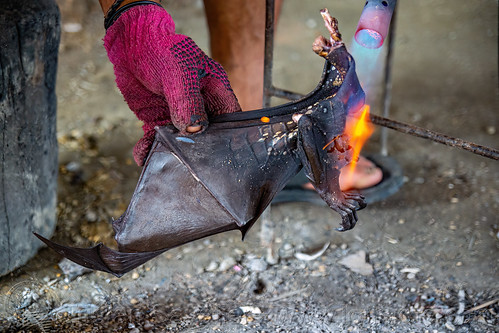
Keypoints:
(321, 169)
(102, 258)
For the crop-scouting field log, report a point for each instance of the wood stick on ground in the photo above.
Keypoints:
(481, 306)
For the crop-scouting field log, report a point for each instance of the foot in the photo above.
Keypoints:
(366, 174)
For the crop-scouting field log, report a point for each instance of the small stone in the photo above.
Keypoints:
(134, 330)
(135, 275)
(450, 326)
(459, 320)
(256, 264)
(148, 325)
(91, 216)
(226, 263)
(134, 301)
(491, 130)
(357, 263)
(286, 251)
(73, 166)
(252, 309)
(413, 270)
(237, 312)
(212, 266)
(215, 317)
(391, 240)
(419, 180)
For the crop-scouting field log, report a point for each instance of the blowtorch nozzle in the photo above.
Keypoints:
(374, 23)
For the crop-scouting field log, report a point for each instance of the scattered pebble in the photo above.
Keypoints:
(135, 275)
(91, 216)
(419, 180)
(252, 309)
(237, 312)
(226, 263)
(256, 264)
(450, 326)
(357, 263)
(73, 166)
(286, 251)
(212, 266)
(148, 325)
(414, 270)
(391, 240)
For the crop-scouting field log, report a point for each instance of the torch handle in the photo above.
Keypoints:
(434, 136)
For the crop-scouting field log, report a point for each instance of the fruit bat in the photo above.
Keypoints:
(223, 178)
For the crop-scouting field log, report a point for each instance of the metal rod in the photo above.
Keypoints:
(435, 136)
(387, 87)
(282, 93)
(269, 49)
(267, 231)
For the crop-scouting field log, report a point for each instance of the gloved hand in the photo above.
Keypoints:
(165, 77)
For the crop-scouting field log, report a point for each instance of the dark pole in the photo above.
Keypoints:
(269, 48)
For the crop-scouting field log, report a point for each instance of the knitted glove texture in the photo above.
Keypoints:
(164, 77)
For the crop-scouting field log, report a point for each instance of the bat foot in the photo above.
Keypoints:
(347, 208)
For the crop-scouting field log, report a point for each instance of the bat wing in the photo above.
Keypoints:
(102, 258)
(219, 180)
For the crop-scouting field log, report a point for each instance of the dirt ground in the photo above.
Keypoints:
(424, 260)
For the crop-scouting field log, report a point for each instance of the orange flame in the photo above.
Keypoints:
(358, 130)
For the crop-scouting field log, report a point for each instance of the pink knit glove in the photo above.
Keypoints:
(165, 77)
